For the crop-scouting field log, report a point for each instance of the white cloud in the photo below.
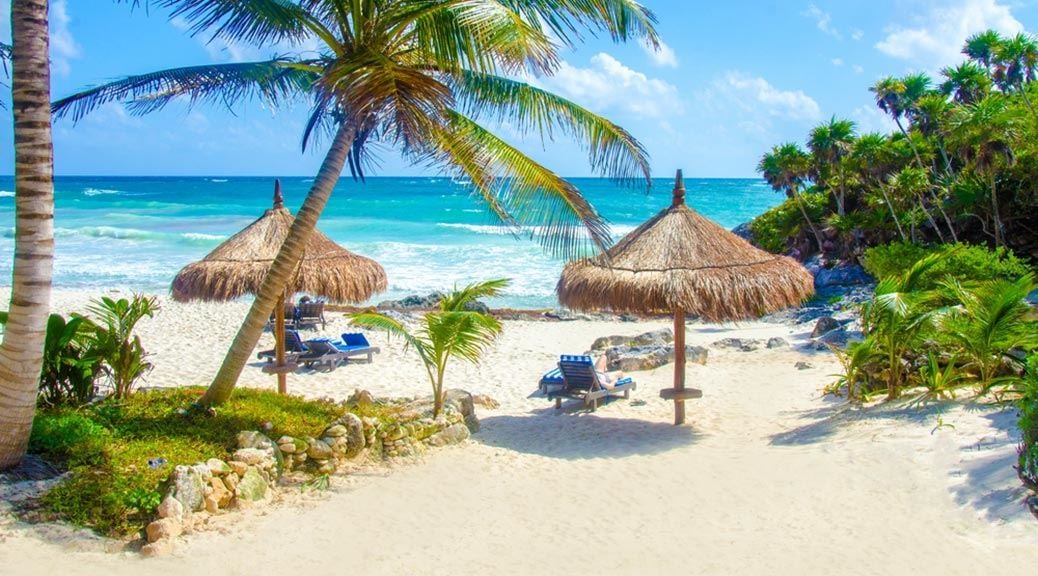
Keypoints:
(609, 84)
(937, 39)
(858, 69)
(837, 62)
(789, 104)
(857, 34)
(823, 20)
(663, 56)
(63, 47)
(870, 118)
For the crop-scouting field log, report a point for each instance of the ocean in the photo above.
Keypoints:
(135, 233)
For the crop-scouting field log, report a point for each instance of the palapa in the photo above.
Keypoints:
(682, 263)
(239, 265)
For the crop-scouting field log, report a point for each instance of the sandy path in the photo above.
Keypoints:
(769, 478)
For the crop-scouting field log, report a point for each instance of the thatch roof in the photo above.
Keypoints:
(238, 266)
(680, 260)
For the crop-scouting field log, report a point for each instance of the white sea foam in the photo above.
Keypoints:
(6, 194)
(201, 236)
(218, 180)
(501, 230)
(100, 191)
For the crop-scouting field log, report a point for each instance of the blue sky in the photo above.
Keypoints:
(734, 78)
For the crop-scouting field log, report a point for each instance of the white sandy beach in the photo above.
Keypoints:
(768, 477)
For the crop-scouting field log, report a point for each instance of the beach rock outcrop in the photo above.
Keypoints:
(743, 344)
(188, 485)
(842, 275)
(650, 357)
(428, 302)
(777, 343)
(654, 338)
(824, 325)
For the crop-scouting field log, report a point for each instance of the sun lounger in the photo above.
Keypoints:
(310, 314)
(294, 346)
(320, 353)
(581, 381)
(551, 378)
(356, 344)
(291, 314)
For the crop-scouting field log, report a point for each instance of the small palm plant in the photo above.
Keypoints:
(123, 355)
(454, 331)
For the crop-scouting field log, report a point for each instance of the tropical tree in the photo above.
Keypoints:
(452, 332)
(1016, 59)
(869, 158)
(830, 143)
(787, 168)
(419, 75)
(966, 83)
(981, 48)
(891, 99)
(21, 352)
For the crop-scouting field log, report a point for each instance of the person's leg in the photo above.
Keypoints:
(602, 363)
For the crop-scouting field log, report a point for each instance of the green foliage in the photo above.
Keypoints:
(773, 229)
(452, 332)
(961, 262)
(70, 365)
(1028, 423)
(107, 447)
(113, 341)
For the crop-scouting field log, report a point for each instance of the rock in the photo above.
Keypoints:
(608, 342)
(485, 401)
(743, 231)
(238, 467)
(212, 504)
(803, 366)
(744, 344)
(360, 398)
(220, 492)
(252, 486)
(413, 302)
(842, 275)
(188, 487)
(355, 441)
(230, 481)
(654, 338)
(326, 467)
(287, 445)
(156, 549)
(777, 343)
(335, 431)
(462, 402)
(452, 435)
(170, 508)
(254, 439)
(838, 338)
(164, 528)
(318, 449)
(217, 467)
(824, 325)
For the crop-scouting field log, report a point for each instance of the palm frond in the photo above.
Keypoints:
(612, 151)
(274, 81)
(457, 299)
(258, 22)
(621, 19)
(464, 335)
(517, 188)
(376, 321)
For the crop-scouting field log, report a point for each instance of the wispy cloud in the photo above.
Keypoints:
(608, 84)
(938, 37)
(857, 35)
(837, 62)
(663, 56)
(823, 20)
(63, 47)
(757, 93)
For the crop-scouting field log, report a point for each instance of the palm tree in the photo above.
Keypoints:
(984, 134)
(981, 47)
(869, 156)
(452, 332)
(830, 143)
(966, 83)
(418, 75)
(1015, 60)
(891, 99)
(21, 353)
(787, 168)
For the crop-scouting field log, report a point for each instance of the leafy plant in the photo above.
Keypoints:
(452, 332)
(773, 229)
(1028, 423)
(939, 382)
(963, 262)
(69, 366)
(123, 355)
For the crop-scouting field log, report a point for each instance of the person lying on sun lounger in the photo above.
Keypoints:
(606, 378)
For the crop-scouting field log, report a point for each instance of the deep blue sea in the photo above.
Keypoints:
(429, 233)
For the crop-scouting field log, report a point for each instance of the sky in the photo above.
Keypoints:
(731, 80)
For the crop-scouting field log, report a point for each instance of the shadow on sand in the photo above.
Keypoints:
(824, 422)
(579, 434)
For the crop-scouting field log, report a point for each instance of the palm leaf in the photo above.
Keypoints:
(392, 327)
(621, 19)
(256, 21)
(274, 81)
(456, 300)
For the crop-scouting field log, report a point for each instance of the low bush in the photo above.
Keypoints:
(773, 229)
(1028, 467)
(961, 262)
(119, 451)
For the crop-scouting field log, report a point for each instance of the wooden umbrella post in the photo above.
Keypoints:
(679, 367)
(279, 345)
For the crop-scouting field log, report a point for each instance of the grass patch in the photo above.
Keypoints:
(107, 448)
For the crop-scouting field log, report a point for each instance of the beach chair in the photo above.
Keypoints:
(291, 314)
(294, 346)
(310, 314)
(551, 378)
(356, 344)
(581, 381)
(321, 353)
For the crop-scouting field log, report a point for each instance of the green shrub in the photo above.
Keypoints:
(961, 262)
(1028, 468)
(112, 340)
(773, 229)
(69, 438)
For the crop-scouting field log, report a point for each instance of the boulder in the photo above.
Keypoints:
(608, 342)
(462, 402)
(188, 487)
(335, 430)
(252, 487)
(360, 398)
(824, 325)
(654, 338)
(254, 457)
(485, 401)
(254, 439)
(238, 467)
(355, 441)
(803, 365)
(217, 467)
(842, 275)
(777, 343)
(452, 435)
(318, 449)
(220, 492)
(744, 344)
(164, 528)
(156, 549)
(170, 508)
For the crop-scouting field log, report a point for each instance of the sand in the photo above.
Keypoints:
(768, 477)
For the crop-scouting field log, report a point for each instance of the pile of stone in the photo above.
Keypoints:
(751, 344)
(253, 471)
(643, 352)
(416, 302)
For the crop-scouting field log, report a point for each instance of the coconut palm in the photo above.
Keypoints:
(966, 83)
(890, 94)
(984, 133)
(1016, 60)
(787, 169)
(981, 47)
(420, 75)
(869, 157)
(453, 331)
(21, 353)
(830, 143)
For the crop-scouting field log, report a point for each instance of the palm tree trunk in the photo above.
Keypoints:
(929, 217)
(893, 213)
(282, 269)
(21, 353)
(996, 218)
(919, 161)
(803, 211)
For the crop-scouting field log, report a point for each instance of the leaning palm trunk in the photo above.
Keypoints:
(893, 213)
(21, 353)
(803, 211)
(996, 217)
(919, 161)
(282, 269)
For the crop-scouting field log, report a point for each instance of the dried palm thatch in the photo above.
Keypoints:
(680, 260)
(238, 266)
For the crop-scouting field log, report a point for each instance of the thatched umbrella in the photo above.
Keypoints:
(682, 263)
(238, 266)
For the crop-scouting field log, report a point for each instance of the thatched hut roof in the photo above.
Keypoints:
(680, 260)
(238, 266)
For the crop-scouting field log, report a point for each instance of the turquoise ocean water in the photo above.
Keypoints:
(429, 233)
